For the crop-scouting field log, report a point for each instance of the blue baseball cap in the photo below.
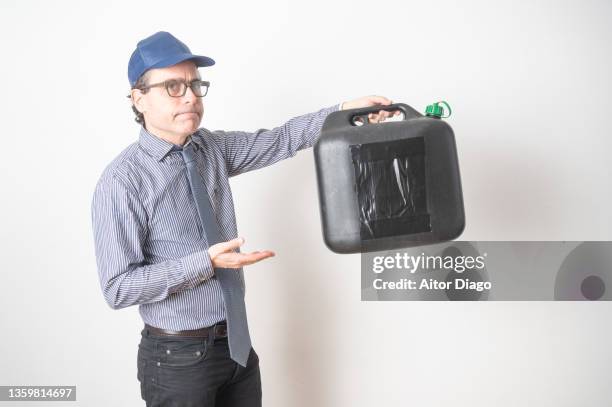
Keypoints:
(158, 51)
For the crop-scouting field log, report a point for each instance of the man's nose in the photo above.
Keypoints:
(189, 96)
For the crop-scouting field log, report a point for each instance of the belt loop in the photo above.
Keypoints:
(211, 335)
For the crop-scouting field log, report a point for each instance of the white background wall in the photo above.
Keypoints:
(530, 86)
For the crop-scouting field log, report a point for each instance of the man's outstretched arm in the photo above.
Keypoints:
(247, 151)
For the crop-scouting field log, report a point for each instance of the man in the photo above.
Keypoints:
(165, 230)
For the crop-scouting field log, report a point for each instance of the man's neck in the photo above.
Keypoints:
(177, 139)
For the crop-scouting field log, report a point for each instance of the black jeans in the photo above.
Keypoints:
(195, 372)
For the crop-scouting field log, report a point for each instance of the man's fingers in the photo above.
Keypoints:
(254, 257)
(379, 117)
(382, 115)
(237, 260)
(230, 245)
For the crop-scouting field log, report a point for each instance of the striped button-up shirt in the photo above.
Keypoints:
(150, 245)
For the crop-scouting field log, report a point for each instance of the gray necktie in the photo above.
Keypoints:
(233, 295)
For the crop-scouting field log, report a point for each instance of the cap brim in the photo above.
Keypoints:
(199, 60)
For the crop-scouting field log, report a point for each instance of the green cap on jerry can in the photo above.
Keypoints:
(437, 111)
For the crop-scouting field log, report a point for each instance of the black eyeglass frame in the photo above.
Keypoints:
(166, 84)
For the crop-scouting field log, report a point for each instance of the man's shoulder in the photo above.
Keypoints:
(124, 167)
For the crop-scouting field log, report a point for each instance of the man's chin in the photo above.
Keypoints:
(188, 126)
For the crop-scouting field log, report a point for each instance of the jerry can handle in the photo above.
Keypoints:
(409, 112)
(345, 118)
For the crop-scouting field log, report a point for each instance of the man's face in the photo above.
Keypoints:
(169, 117)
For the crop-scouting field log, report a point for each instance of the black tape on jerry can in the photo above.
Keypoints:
(388, 185)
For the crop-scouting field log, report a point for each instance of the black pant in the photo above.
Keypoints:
(195, 372)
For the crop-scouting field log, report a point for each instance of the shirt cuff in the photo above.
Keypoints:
(198, 267)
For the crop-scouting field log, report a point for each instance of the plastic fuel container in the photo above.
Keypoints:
(388, 185)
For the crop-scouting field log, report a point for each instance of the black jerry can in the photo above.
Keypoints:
(388, 185)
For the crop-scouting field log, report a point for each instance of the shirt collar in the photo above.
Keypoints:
(158, 147)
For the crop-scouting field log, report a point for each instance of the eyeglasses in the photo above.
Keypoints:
(177, 88)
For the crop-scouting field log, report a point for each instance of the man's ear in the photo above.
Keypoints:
(138, 100)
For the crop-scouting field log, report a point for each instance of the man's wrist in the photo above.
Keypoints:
(198, 267)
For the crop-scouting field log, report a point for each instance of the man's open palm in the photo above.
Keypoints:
(223, 255)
